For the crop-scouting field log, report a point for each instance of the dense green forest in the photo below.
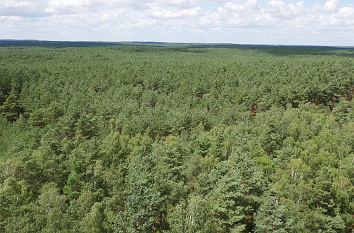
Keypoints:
(176, 139)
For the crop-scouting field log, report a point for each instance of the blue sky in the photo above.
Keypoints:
(293, 22)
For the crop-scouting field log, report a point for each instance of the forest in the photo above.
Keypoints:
(176, 139)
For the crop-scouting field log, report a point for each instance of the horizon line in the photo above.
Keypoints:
(179, 43)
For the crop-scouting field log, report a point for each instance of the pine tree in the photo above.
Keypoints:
(236, 194)
(11, 108)
(271, 216)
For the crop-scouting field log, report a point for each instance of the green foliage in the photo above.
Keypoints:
(236, 194)
(152, 139)
(271, 216)
(11, 108)
(50, 209)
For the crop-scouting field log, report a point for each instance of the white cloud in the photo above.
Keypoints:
(34, 8)
(160, 13)
(331, 5)
(282, 20)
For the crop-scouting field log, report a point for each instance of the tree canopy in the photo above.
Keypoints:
(176, 139)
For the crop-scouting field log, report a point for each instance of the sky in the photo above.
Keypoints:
(276, 22)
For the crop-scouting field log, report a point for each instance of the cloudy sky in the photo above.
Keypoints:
(307, 22)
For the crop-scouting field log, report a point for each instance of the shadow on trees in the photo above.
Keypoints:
(300, 51)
